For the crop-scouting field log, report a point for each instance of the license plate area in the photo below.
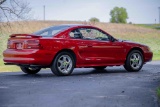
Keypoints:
(18, 45)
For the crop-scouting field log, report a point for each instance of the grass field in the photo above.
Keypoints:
(152, 26)
(4, 68)
(137, 33)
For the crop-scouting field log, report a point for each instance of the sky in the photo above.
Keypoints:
(139, 11)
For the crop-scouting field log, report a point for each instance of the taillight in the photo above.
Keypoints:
(31, 44)
(10, 45)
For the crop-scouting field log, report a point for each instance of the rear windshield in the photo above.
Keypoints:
(51, 31)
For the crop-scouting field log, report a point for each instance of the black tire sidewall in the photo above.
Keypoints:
(54, 66)
(127, 65)
(28, 71)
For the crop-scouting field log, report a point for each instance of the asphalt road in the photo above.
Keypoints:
(113, 87)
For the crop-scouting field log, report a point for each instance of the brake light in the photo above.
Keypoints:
(10, 45)
(31, 44)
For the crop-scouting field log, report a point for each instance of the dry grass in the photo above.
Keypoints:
(136, 33)
(148, 36)
(32, 26)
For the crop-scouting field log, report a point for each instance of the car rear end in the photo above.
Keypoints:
(24, 49)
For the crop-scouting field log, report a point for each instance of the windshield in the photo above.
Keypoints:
(51, 31)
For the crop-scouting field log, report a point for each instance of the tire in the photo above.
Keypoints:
(134, 61)
(100, 68)
(29, 70)
(63, 64)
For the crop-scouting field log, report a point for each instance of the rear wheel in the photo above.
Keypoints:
(63, 64)
(30, 70)
(134, 61)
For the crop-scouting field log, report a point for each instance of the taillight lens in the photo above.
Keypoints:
(10, 45)
(31, 44)
(27, 44)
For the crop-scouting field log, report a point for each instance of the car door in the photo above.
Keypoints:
(95, 47)
(104, 50)
(108, 52)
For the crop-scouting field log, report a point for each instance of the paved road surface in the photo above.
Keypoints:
(113, 87)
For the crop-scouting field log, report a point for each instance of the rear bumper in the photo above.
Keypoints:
(28, 56)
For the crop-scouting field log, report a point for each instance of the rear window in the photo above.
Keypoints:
(51, 31)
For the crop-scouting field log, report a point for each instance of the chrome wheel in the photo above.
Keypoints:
(64, 64)
(135, 61)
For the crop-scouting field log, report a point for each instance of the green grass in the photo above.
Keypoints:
(3, 45)
(156, 56)
(158, 92)
(152, 26)
(8, 68)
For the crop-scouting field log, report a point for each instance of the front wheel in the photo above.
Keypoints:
(29, 70)
(134, 61)
(63, 64)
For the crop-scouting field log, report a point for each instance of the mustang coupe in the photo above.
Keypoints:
(65, 47)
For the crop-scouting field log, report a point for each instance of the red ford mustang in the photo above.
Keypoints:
(65, 47)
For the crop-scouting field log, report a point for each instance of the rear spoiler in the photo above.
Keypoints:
(24, 36)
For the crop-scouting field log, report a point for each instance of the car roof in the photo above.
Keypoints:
(72, 25)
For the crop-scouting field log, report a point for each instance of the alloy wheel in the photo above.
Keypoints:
(135, 61)
(64, 64)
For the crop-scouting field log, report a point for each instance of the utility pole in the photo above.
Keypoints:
(159, 15)
(44, 14)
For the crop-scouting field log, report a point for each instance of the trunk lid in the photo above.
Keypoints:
(23, 41)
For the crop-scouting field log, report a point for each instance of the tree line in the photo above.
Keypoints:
(118, 15)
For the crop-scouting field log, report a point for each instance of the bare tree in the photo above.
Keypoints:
(13, 10)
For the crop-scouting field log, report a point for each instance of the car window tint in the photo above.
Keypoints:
(76, 34)
(51, 31)
(71, 34)
(55, 31)
(93, 34)
(44, 33)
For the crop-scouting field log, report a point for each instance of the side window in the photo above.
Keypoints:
(76, 34)
(44, 33)
(93, 34)
(71, 34)
(89, 34)
(55, 31)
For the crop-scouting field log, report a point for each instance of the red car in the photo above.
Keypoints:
(65, 47)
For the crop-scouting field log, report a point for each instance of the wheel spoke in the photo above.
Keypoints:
(60, 61)
(64, 58)
(132, 59)
(135, 60)
(61, 66)
(65, 63)
(68, 62)
(134, 56)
